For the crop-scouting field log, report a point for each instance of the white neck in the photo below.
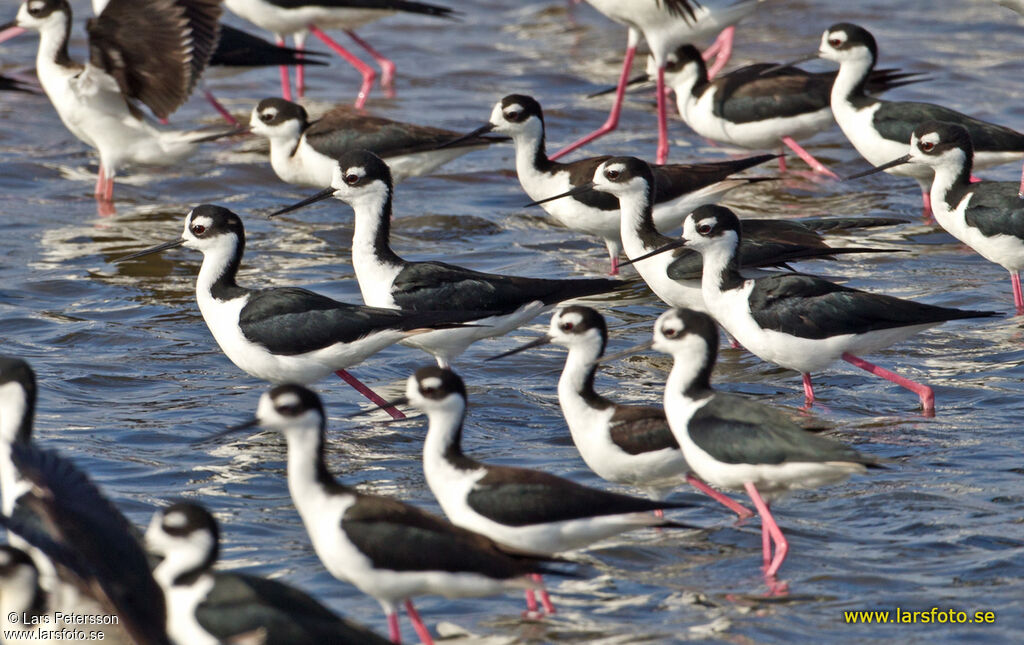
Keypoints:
(526, 143)
(716, 259)
(443, 427)
(851, 73)
(51, 40)
(303, 453)
(679, 407)
(215, 260)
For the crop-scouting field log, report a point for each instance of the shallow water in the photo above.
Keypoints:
(130, 376)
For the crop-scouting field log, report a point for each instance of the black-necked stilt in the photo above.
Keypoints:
(208, 607)
(681, 187)
(738, 444)
(285, 334)
(305, 151)
(880, 130)
(759, 109)
(147, 52)
(500, 303)
(665, 24)
(301, 17)
(802, 322)
(23, 602)
(625, 444)
(528, 510)
(987, 216)
(388, 549)
(675, 278)
(91, 543)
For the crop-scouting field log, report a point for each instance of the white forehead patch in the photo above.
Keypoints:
(202, 220)
(431, 382)
(288, 399)
(571, 317)
(269, 113)
(931, 137)
(36, 5)
(175, 520)
(512, 109)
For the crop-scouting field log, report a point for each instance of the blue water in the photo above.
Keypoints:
(130, 376)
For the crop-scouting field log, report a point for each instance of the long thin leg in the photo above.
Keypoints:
(545, 599)
(1020, 191)
(662, 155)
(223, 111)
(926, 201)
(809, 159)
(286, 82)
(724, 500)
(782, 159)
(808, 390)
(721, 49)
(766, 546)
(781, 545)
(394, 631)
(1018, 298)
(101, 182)
(387, 66)
(531, 612)
(300, 70)
(370, 394)
(615, 266)
(620, 93)
(367, 72)
(923, 391)
(417, 624)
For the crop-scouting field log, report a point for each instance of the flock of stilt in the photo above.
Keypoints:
(71, 548)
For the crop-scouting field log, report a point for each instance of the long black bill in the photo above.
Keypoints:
(891, 164)
(223, 134)
(636, 349)
(636, 80)
(537, 342)
(674, 244)
(579, 190)
(402, 400)
(326, 193)
(795, 61)
(150, 251)
(251, 423)
(484, 129)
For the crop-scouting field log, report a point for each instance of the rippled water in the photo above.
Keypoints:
(130, 376)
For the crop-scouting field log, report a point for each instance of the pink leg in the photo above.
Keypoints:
(782, 160)
(300, 72)
(365, 70)
(223, 111)
(531, 612)
(286, 82)
(108, 192)
(615, 266)
(101, 182)
(781, 545)
(926, 200)
(721, 49)
(815, 165)
(370, 394)
(724, 500)
(974, 179)
(922, 391)
(394, 632)
(766, 546)
(662, 155)
(545, 599)
(658, 513)
(1020, 191)
(808, 391)
(417, 624)
(613, 118)
(1018, 298)
(387, 66)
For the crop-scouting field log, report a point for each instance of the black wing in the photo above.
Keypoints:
(735, 430)
(896, 121)
(239, 603)
(519, 497)
(681, 8)
(155, 50)
(382, 5)
(812, 307)
(675, 180)
(401, 537)
(749, 94)
(237, 48)
(436, 286)
(294, 321)
(344, 129)
(996, 209)
(639, 429)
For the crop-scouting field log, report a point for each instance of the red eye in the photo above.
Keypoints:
(198, 229)
(351, 179)
(704, 229)
(669, 333)
(835, 42)
(927, 146)
(612, 174)
(567, 326)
